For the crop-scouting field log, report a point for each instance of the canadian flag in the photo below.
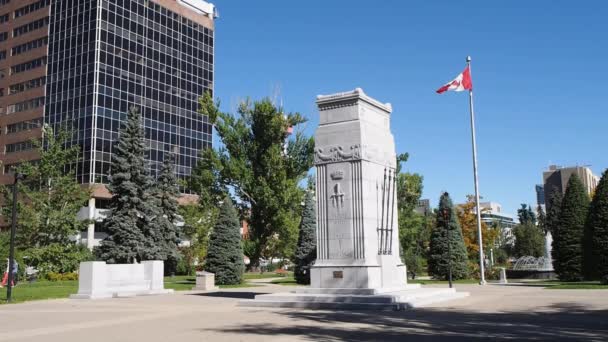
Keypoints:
(462, 82)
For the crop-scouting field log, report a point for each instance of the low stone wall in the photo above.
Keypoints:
(100, 280)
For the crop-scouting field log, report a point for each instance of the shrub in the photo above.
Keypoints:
(53, 276)
(58, 258)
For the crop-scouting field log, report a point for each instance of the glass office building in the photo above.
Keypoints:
(106, 56)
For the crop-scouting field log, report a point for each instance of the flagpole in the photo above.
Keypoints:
(479, 236)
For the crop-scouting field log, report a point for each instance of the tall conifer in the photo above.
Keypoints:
(554, 208)
(306, 252)
(225, 253)
(446, 239)
(595, 247)
(166, 193)
(131, 236)
(569, 239)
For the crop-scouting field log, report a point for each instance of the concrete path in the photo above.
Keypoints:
(491, 312)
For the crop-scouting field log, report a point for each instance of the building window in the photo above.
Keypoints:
(23, 126)
(3, 18)
(2, 55)
(19, 49)
(20, 146)
(31, 8)
(27, 85)
(36, 63)
(34, 25)
(25, 105)
(4, 2)
(3, 36)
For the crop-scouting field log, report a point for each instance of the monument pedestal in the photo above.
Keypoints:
(409, 297)
(358, 263)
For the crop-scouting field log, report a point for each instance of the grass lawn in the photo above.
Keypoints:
(432, 282)
(186, 283)
(40, 290)
(289, 281)
(265, 275)
(571, 285)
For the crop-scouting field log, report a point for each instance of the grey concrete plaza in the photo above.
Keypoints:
(491, 312)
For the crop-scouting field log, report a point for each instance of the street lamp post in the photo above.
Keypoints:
(11, 257)
(446, 218)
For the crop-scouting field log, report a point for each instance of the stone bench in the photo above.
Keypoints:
(100, 280)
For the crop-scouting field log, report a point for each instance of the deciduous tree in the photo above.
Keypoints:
(262, 173)
(467, 218)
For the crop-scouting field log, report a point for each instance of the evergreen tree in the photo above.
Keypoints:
(166, 193)
(526, 215)
(131, 234)
(306, 252)
(569, 239)
(542, 219)
(529, 240)
(447, 236)
(554, 207)
(225, 253)
(595, 247)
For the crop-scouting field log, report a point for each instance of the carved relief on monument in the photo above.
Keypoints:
(336, 153)
(339, 210)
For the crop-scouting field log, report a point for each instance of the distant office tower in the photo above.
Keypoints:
(102, 57)
(83, 63)
(491, 213)
(424, 207)
(556, 178)
(540, 195)
(23, 59)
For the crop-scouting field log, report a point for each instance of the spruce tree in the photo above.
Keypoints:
(446, 239)
(131, 234)
(306, 252)
(595, 247)
(166, 193)
(225, 253)
(554, 207)
(569, 239)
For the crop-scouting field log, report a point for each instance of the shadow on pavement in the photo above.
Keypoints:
(563, 321)
(229, 294)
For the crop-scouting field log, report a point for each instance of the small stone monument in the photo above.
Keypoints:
(205, 281)
(503, 276)
(358, 264)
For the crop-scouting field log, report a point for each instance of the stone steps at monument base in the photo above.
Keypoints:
(343, 291)
(388, 301)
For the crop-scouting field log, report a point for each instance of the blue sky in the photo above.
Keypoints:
(539, 71)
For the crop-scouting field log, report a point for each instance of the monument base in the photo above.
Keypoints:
(408, 297)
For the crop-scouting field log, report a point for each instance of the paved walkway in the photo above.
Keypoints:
(491, 312)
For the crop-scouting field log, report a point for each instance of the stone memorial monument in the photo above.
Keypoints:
(357, 233)
(358, 263)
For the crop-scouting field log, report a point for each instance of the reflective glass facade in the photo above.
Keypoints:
(108, 55)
